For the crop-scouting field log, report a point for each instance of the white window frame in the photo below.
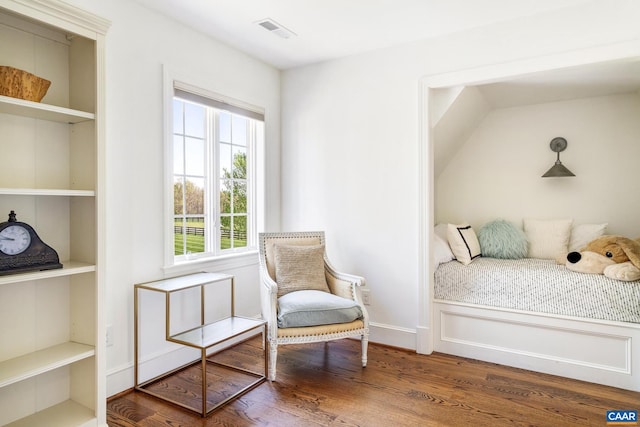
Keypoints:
(255, 185)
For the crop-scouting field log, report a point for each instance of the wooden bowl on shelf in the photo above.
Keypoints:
(21, 84)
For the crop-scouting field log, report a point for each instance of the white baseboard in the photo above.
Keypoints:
(424, 341)
(393, 336)
(122, 377)
(119, 379)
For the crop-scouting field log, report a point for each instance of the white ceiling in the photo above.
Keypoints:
(329, 29)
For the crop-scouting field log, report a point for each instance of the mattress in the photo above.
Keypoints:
(538, 285)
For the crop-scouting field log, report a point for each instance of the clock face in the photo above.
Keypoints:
(14, 239)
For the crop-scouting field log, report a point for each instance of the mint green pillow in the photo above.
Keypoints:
(502, 239)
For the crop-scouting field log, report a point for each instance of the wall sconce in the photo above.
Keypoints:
(558, 170)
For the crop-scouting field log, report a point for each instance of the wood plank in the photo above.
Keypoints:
(324, 384)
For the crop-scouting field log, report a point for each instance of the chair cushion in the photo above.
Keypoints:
(299, 268)
(312, 308)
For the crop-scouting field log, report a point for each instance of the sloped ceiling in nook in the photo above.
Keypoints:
(563, 84)
(465, 110)
(461, 109)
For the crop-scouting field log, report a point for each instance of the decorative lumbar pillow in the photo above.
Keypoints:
(299, 268)
(463, 242)
(441, 251)
(548, 238)
(312, 308)
(581, 234)
(502, 239)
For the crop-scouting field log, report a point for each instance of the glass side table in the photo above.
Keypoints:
(202, 337)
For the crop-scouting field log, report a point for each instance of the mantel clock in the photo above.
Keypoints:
(21, 249)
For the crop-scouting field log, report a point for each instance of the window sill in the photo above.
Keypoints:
(219, 263)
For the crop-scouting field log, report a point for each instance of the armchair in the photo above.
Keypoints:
(316, 327)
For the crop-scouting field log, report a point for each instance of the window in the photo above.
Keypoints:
(213, 176)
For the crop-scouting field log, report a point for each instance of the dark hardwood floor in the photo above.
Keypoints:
(324, 385)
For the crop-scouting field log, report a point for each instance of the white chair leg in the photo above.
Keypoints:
(273, 355)
(365, 345)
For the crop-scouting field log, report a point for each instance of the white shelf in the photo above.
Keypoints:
(68, 268)
(36, 110)
(41, 361)
(46, 192)
(65, 414)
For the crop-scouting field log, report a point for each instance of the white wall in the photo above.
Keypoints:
(496, 173)
(349, 149)
(350, 145)
(139, 43)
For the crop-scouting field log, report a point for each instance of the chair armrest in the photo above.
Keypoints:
(269, 303)
(268, 283)
(343, 284)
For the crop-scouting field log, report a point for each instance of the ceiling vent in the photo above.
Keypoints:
(275, 28)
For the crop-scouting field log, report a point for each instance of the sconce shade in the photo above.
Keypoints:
(558, 169)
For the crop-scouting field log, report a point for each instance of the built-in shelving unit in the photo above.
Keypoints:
(52, 334)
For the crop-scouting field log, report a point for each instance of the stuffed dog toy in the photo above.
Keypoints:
(616, 257)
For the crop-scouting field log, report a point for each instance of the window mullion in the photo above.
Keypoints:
(213, 201)
(183, 178)
(250, 182)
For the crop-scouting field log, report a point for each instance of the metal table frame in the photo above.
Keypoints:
(203, 337)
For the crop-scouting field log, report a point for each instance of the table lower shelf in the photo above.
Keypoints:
(206, 336)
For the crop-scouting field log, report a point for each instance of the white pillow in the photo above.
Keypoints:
(581, 234)
(548, 238)
(441, 230)
(463, 242)
(441, 251)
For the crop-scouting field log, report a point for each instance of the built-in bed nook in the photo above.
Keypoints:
(489, 138)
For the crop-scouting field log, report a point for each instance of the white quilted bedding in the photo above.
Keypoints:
(538, 285)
